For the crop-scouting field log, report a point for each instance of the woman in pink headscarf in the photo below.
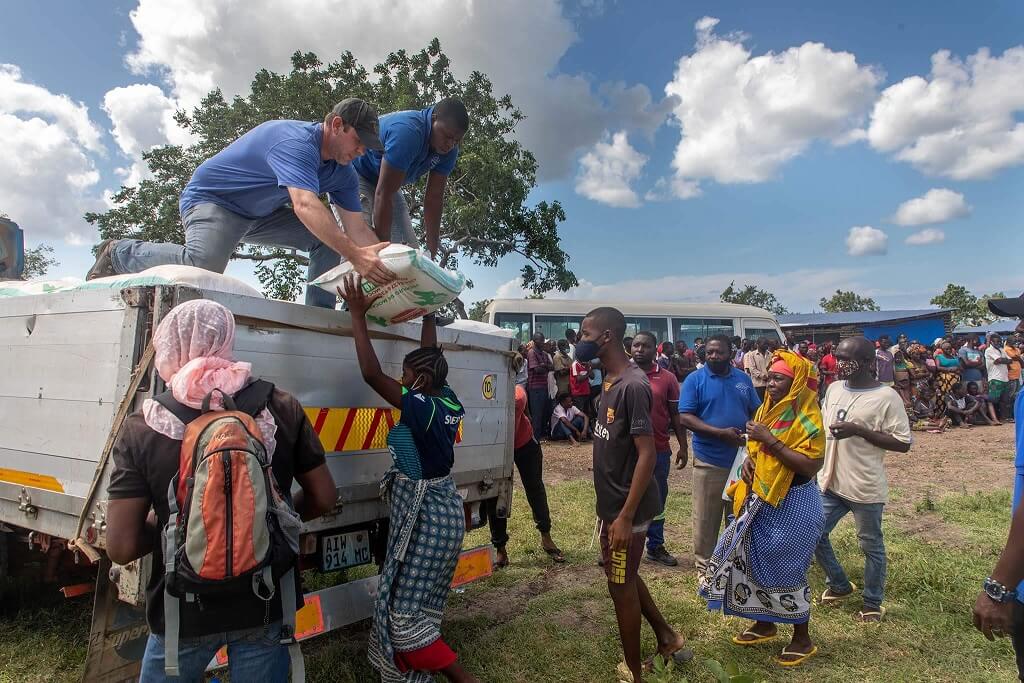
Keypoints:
(194, 347)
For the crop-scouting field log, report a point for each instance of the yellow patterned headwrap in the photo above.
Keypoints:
(796, 421)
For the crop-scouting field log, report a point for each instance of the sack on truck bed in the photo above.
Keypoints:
(421, 286)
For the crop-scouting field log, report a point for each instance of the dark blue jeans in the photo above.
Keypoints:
(537, 398)
(560, 432)
(868, 518)
(656, 531)
(254, 654)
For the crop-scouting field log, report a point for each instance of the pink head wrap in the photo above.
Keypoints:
(194, 346)
(782, 367)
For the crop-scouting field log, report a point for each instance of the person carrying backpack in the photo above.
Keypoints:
(227, 447)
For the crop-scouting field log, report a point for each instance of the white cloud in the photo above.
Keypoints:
(796, 289)
(962, 121)
(935, 206)
(865, 240)
(202, 44)
(608, 171)
(49, 176)
(143, 118)
(741, 117)
(673, 188)
(927, 236)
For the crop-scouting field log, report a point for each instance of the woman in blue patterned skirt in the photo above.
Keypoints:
(427, 518)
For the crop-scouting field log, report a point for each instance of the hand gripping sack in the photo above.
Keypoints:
(230, 530)
(421, 286)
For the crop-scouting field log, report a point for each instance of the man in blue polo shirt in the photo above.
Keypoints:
(416, 143)
(715, 403)
(242, 194)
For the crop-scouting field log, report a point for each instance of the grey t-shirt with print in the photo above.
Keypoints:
(624, 412)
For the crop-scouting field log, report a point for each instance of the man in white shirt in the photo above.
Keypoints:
(865, 420)
(998, 365)
(755, 362)
(568, 421)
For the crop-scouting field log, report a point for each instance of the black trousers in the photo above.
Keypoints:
(530, 463)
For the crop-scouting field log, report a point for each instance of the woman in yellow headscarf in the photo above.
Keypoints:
(759, 568)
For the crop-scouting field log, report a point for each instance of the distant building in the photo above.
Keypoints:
(924, 325)
(1003, 326)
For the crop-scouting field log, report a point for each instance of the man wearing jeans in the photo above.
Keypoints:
(664, 413)
(242, 194)
(416, 143)
(865, 419)
(715, 403)
(538, 365)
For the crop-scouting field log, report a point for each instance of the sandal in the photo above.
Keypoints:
(798, 657)
(555, 554)
(830, 598)
(871, 616)
(756, 640)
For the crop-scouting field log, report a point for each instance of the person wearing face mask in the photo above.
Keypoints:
(864, 420)
(427, 517)
(715, 403)
(627, 493)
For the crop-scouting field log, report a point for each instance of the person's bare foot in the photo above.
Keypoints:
(551, 548)
(500, 558)
(760, 629)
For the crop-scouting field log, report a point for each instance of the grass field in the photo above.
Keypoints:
(536, 621)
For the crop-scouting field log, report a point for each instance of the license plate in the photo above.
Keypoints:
(338, 551)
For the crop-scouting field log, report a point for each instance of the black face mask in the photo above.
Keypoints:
(719, 367)
(587, 351)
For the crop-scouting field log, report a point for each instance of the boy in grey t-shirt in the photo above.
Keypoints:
(627, 493)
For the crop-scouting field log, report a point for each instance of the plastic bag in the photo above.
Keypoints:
(736, 472)
(421, 286)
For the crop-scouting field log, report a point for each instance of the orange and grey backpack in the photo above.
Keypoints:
(230, 531)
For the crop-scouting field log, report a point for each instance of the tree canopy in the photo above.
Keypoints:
(968, 309)
(843, 302)
(38, 261)
(486, 215)
(752, 296)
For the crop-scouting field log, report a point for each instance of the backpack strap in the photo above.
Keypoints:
(288, 627)
(171, 606)
(252, 398)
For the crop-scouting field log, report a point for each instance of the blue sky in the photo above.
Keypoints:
(788, 127)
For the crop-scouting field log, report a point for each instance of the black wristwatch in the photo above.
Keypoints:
(998, 592)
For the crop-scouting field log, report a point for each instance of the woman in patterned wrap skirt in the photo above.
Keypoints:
(427, 518)
(759, 567)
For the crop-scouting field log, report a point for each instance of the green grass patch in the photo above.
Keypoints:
(536, 621)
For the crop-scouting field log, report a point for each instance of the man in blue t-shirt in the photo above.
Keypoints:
(242, 194)
(715, 403)
(416, 143)
(999, 609)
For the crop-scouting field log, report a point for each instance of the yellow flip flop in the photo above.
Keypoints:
(801, 657)
(756, 640)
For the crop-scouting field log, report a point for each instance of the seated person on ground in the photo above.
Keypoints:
(568, 421)
(986, 414)
(960, 408)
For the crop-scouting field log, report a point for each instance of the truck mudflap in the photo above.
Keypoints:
(117, 639)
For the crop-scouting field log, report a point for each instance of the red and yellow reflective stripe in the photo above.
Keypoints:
(355, 429)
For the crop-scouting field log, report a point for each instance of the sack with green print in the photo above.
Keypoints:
(420, 287)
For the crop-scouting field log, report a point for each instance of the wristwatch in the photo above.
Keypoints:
(997, 591)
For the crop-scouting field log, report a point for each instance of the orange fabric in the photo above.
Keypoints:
(524, 429)
(215, 563)
(243, 514)
(1013, 369)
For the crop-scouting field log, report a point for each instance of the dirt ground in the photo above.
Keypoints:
(956, 461)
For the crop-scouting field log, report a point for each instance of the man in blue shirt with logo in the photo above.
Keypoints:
(416, 143)
(999, 609)
(242, 194)
(715, 403)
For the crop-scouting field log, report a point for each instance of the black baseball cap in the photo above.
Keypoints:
(362, 116)
(1008, 308)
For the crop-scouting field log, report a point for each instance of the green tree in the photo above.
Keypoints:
(38, 261)
(486, 216)
(752, 296)
(478, 311)
(841, 302)
(967, 308)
